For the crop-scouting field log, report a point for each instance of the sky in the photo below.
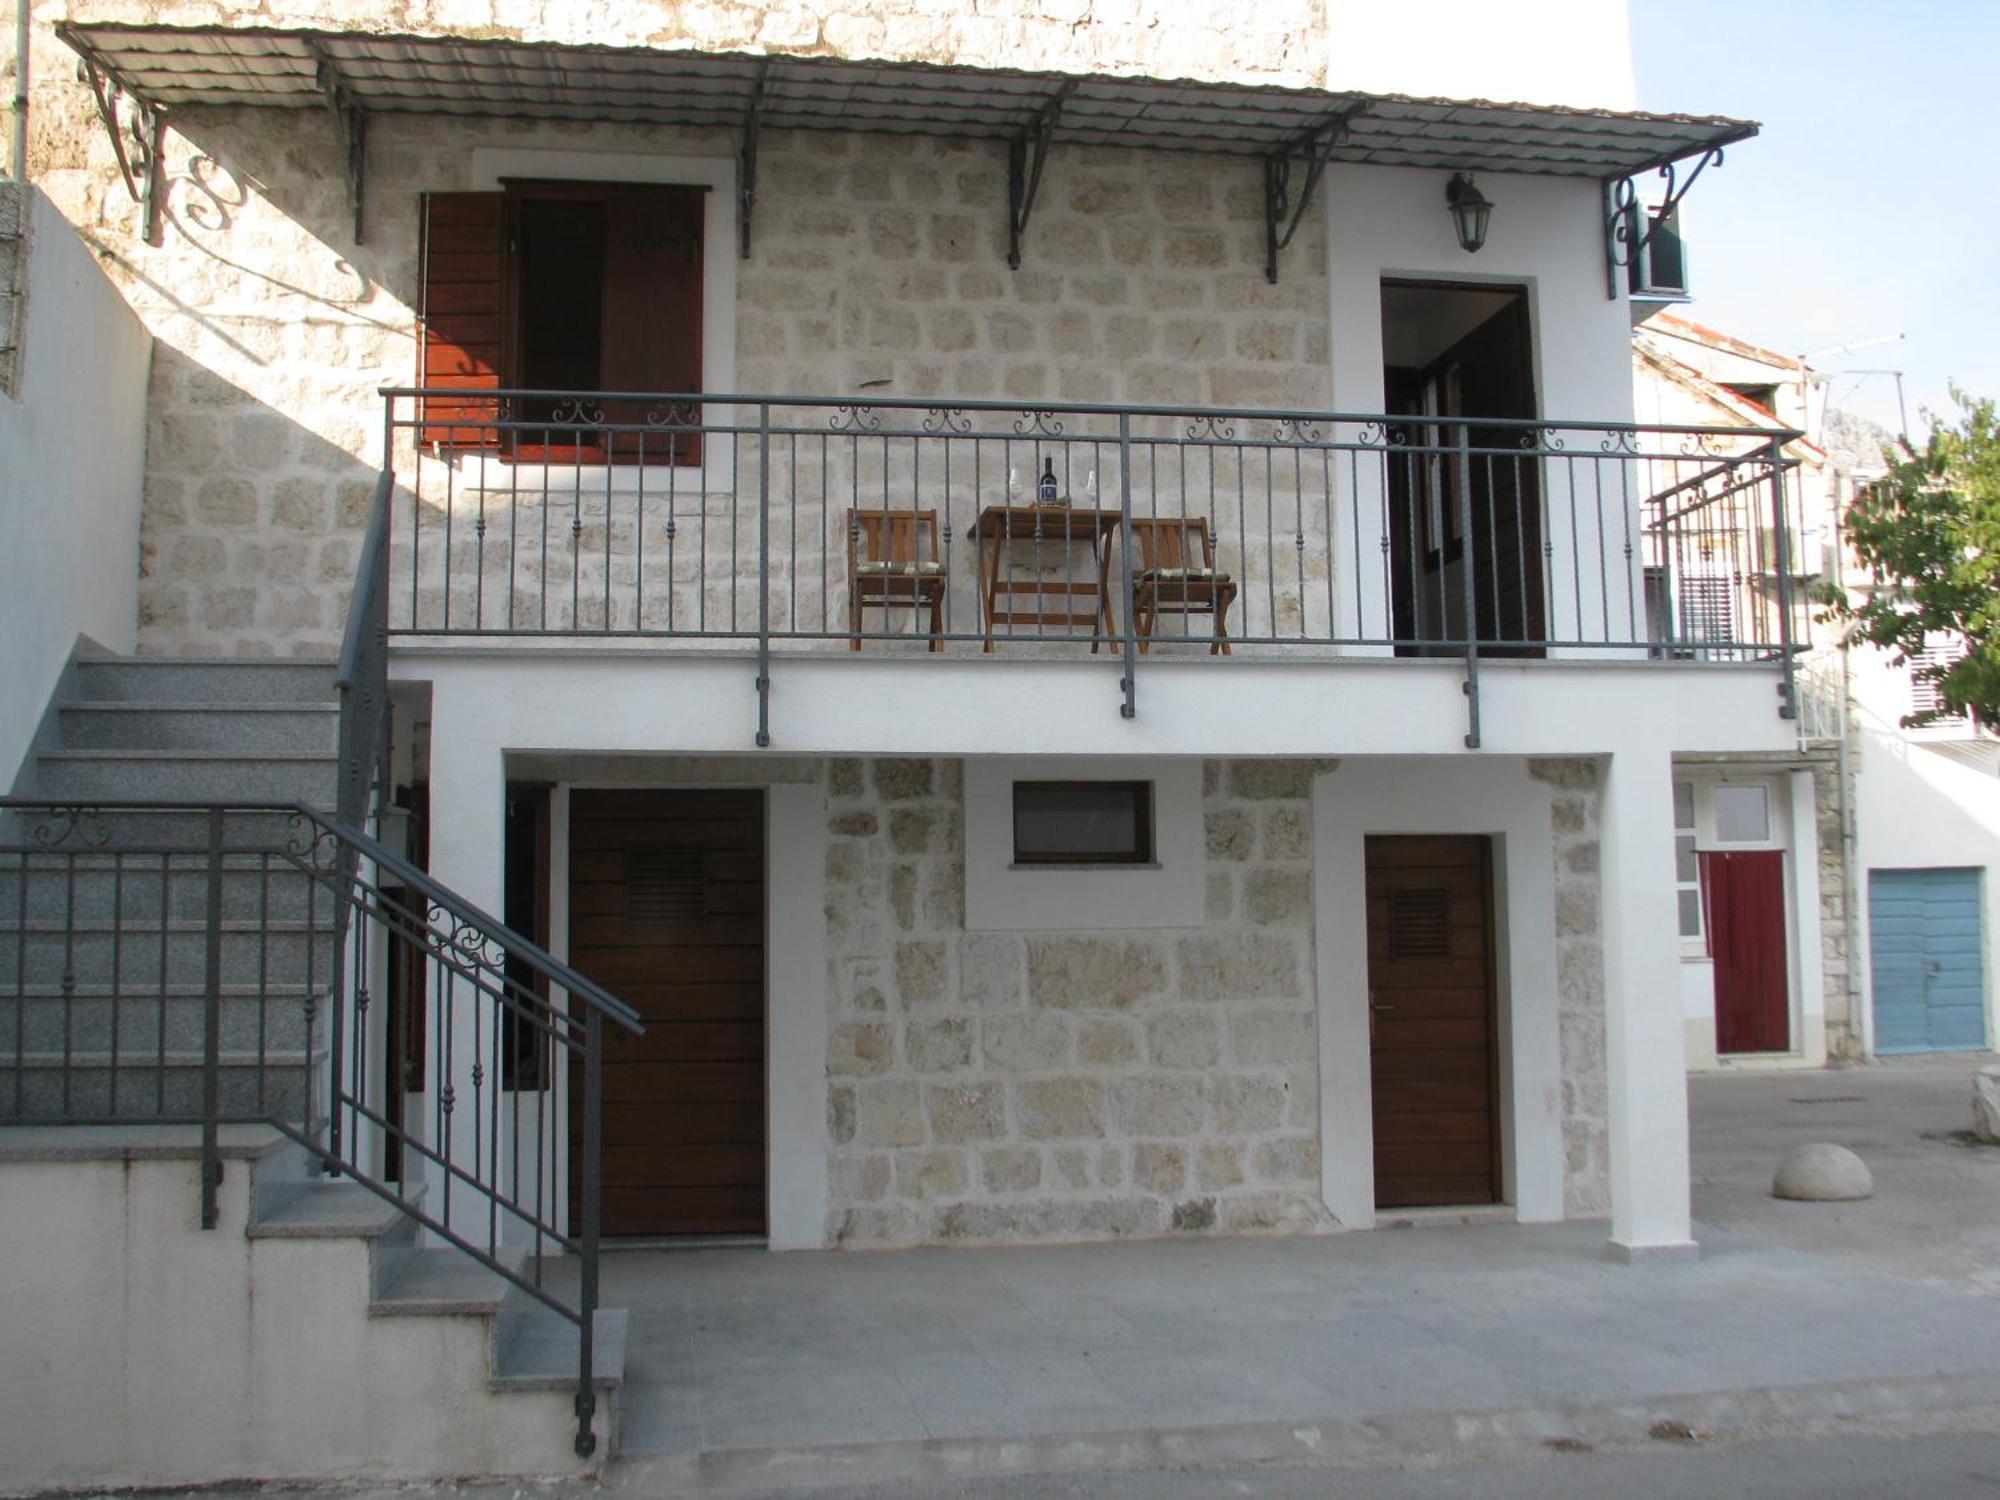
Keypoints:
(1870, 203)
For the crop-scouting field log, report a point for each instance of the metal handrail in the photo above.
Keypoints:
(101, 901)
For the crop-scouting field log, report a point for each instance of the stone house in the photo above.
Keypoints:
(1886, 834)
(904, 626)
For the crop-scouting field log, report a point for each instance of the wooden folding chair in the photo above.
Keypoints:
(893, 559)
(1173, 571)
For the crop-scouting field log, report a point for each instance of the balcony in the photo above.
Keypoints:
(765, 527)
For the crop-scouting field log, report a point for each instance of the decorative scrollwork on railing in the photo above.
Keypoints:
(577, 411)
(1705, 445)
(1211, 428)
(469, 947)
(311, 845)
(675, 414)
(947, 419)
(57, 826)
(855, 419)
(1541, 440)
(1039, 423)
(1619, 440)
(1295, 430)
(1374, 434)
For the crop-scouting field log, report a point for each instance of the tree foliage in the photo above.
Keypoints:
(1929, 532)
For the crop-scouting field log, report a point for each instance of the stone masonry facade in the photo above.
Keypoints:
(878, 263)
(987, 1086)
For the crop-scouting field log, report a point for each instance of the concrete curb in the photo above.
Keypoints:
(1341, 1442)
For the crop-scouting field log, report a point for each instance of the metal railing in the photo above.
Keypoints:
(799, 523)
(210, 964)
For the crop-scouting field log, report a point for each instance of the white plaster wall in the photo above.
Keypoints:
(1917, 807)
(1575, 52)
(72, 457)
(143, 1350)
(1495, 797)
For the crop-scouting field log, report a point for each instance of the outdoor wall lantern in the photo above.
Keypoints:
(1469, 211)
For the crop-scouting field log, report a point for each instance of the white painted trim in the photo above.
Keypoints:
(1490, 796)
(720, 254)
(795, 1001)
(1003, 897)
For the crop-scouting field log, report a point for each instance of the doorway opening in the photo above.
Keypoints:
(1464, 499)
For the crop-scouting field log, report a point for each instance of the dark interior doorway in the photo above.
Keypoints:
(1452, 351)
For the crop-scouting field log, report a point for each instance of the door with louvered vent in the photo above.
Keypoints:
(1432, 1033)
(667, 912)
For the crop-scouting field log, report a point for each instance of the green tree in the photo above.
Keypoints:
(1930, 533)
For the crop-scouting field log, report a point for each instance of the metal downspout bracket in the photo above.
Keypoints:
(1317, 146)
(352, 126)
(746, 160)
(1027, 154)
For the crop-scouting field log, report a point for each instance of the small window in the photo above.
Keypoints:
(1083, 822)
(1742, 814)
(1687, 863)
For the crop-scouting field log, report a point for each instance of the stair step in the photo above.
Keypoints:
(535, 1348)
(206, 679)
(441, 1281)
(332, 1210)
(195, 775)
(244, 728)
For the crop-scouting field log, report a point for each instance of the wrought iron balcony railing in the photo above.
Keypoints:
(800, 523)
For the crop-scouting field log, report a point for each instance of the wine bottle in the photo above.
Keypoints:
(1046, 491)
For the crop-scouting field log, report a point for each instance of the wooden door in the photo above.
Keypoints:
(667, 912)
(1744, 894)
(1432, 1020)
(1925, 950)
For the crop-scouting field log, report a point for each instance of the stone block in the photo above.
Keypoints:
(1275, 897)
(1107, 1044)
(1072, 1167)
(939, 1046)
(921, 974)
(855, 1048)
(967, 1112)
(1277, 1209)
(1219, 896)
(1159, 1105)
(930, 1174)
(1239, 966)
(1194, 249)
(1218, 1164)
(1273, 1038)
(1287, 833)
(1060, 1108)
(1010, 1169)
(944, 895)
(1292, 1158)
(1095, 973)
(858, 823)
(901, 779)
(1193, 1215)
(1183, 1039)
(853, 1178)
(990, 971)
(1230, 833)
(1264, 780)
(1037, 1041)
(1159, 1166)
(226, 502)
(843, 777)
(890, 1113)
(1245, 1104)
(903, 895)
(1567, 773)
(915, 830)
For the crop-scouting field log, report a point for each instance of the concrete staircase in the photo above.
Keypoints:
(104, 939)
(245, 1353)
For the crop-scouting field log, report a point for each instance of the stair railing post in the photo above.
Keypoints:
(211, 1029)
(764, 575)
(1129, 707)
(1470, 591)
(593, 1132)
(1782, 563)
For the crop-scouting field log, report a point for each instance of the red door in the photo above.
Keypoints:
(1744, 898)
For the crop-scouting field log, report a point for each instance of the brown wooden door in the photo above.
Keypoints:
(1430, 978)
(667, 912)
(1744, 895)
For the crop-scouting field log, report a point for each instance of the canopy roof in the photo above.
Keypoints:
(174, 67)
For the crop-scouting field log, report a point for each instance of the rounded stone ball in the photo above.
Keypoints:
(1822, 1173)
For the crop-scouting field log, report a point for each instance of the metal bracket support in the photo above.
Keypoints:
(746, 160)
(1621, 198)
(137, 141)
(1027, 154)
(1316, 145)
(351, 126)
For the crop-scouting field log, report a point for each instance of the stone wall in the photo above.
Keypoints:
(13, 258)
(1573, 814)
(1008, 1086)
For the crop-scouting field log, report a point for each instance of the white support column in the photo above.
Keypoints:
(467, 855)
(1644, 1038)
(796, 1005)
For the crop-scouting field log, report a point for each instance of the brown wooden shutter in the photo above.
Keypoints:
(461, 317)
(652, 303)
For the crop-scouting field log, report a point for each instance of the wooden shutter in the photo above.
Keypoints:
(652, 305)
(461, 315)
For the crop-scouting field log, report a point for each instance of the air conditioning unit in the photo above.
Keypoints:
(1658, 268)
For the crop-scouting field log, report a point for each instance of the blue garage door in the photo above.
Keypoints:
(1923, 934)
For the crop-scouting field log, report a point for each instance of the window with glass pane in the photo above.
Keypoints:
(1742, 814)
(1687, 863)
(1083, 822)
